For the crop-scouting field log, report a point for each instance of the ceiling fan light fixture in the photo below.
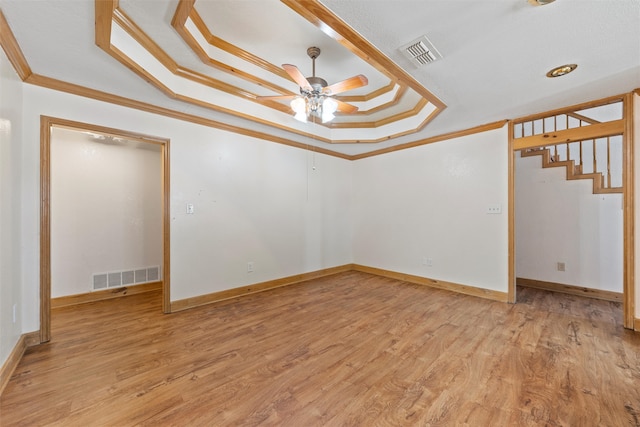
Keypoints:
(301, 117)
(562, 70)
(298, 105)
(329, 107)
(316, 97)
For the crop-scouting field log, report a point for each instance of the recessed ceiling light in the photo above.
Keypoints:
(540, 2)
(562, 70)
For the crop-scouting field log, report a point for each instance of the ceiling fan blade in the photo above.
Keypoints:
(345, 85)
(275, 98)
(297, 76)
(343, 107)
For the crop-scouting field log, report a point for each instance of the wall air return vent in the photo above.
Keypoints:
(421, 51)
(117, 279)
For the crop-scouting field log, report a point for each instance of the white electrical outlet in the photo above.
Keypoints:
(250, 267)
(429, 262)
(561, 266)
(494, 209)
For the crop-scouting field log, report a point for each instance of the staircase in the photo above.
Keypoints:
(551, 158)
(591, 147)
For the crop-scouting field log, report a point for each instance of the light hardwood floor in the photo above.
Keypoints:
(351, 349)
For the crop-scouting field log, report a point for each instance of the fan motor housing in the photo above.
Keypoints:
(317, 83)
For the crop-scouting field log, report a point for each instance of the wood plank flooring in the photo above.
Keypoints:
(351, 349)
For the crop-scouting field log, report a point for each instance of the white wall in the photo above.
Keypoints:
(563, 221)
(255, 201)
(431, 202)
(10, 155)
(106, 209)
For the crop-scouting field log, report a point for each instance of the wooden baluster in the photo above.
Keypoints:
(555, 153)
(580, 142)
(608, 162)
(544, 130)
(595, 167)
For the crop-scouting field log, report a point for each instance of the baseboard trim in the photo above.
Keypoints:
(25, 340)
(192, 302)
(636, 324)
(433, 283)
(105, 294)
(570, 289)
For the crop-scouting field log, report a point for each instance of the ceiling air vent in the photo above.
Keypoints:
(421, 51)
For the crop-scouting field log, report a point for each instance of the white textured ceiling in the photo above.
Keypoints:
(495, 52)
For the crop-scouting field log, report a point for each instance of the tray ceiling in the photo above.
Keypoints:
(207, 61)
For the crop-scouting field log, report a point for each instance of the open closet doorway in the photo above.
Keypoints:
(573, 202)
(104, 215)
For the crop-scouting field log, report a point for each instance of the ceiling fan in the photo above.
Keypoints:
(316, 96)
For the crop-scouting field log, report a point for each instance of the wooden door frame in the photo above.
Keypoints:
(46, 124)
(628, 227)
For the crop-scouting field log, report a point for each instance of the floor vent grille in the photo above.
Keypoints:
(118, 279)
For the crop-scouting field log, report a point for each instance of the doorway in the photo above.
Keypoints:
(544, 130)
(109, 138)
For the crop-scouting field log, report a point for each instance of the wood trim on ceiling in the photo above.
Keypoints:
(12, 49)
(334, 27)
(431, 140)
(570, 109)
(387, 120)
(185, 9)
(71, 88)
(402, 90)
(178, 23)
(188, 10)
(161, 56)
(369, 96)
(58, 85)
(165, 59)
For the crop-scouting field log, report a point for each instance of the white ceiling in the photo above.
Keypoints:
(495, 53)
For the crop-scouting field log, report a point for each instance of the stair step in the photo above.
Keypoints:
(574, 171)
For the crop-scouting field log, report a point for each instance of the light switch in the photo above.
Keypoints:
(190, 208)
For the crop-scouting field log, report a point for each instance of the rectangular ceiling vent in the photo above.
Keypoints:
(421, 51)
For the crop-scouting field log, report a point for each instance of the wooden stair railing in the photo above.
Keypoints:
(574, 171)
(587, 147)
